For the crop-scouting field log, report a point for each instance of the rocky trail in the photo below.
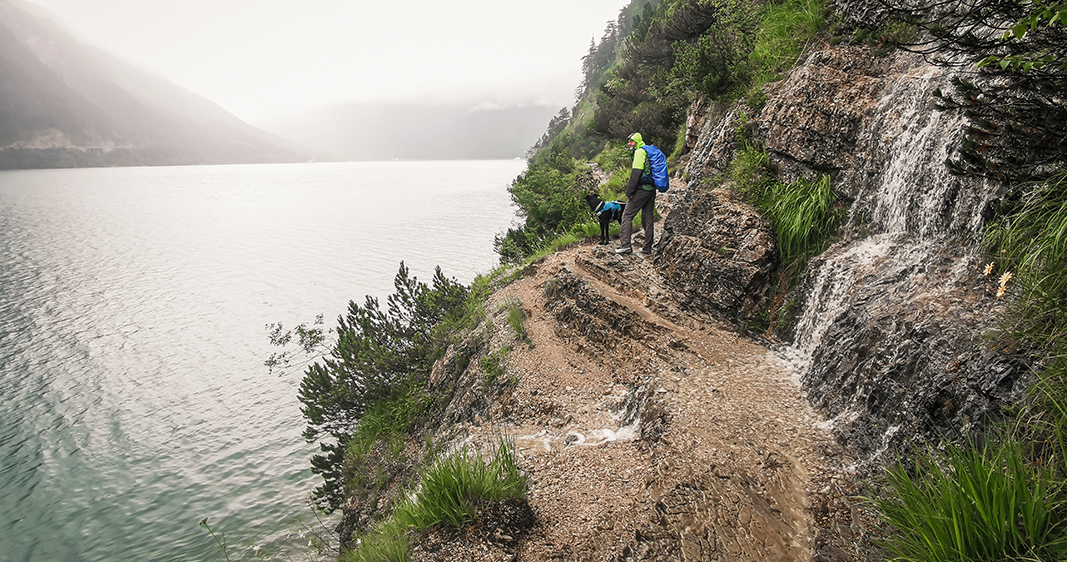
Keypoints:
(651, 433)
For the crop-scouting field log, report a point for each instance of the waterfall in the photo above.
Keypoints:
(886, 340)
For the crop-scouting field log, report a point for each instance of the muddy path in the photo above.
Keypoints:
(652, 434)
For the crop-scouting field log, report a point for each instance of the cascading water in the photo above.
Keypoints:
(887, 336)
(900, 214)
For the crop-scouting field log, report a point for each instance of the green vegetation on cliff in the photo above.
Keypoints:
(367, 389)
(648, 69)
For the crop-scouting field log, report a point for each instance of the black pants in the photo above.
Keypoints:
(645, 201)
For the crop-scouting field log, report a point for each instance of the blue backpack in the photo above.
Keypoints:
(660, 178)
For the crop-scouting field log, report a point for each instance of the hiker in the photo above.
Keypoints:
(639, 197)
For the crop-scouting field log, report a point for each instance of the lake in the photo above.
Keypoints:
(133, 312)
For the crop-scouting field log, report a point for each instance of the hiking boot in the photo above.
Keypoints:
(624, 251)
(643, 252)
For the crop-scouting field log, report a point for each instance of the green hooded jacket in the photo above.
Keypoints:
(640, 167)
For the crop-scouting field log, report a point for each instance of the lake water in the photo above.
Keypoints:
(133, 307)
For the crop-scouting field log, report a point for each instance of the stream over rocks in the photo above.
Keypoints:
(887, 342)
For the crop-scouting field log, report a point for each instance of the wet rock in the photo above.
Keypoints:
(718, 255)
(888, 339)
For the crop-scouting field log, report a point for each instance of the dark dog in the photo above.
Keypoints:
(605, 211)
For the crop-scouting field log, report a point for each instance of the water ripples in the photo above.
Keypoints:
(132, 311)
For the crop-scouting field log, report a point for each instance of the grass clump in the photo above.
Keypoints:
(452, 488)
(449, 494)
(802, 212)
(802, 215)
(979, 503)
(1031, 240)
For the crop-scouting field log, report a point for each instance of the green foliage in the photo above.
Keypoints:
(1043, 420)
(493, 365)
(388, 544)
(379, 358)
(390, 419)
(615, 158)
(1031, 240)
(516, 320)
(976, 504)
(678, 149)
(750, 170)
(785, 31)
(453, 486)
(311, 342)
(449, 493)
(1039, 17)
(803, 217)
(683, 48)
(802, 213)
(558, 243)
(548, 196)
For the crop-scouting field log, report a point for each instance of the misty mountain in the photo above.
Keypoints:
(68, 104)
(411, 131)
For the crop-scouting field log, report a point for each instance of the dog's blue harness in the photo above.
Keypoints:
(612, 208)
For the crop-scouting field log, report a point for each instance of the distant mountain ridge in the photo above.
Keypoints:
(67, 104)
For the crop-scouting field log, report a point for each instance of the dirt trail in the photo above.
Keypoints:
(651, 434)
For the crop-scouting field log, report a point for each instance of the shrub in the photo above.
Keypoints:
(548, 197)
(379, 359)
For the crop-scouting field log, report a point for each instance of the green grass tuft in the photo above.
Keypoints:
(452, 487)
(981, 503)
(802, 215)
(448, 495)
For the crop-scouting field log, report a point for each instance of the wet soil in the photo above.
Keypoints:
(649, 433)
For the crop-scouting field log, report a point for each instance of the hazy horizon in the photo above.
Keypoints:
(263, 60)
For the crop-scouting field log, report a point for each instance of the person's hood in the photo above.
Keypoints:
(636, 137)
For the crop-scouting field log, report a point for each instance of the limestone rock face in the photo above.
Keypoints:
(813, 121)
(718, 253)
(888, 341)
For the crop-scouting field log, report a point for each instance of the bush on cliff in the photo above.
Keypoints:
(379, 359)
(548, 197)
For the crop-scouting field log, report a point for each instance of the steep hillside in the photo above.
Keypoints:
(889, 333)
(66, 104)
(651, 430)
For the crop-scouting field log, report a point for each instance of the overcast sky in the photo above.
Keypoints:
(260, 57)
